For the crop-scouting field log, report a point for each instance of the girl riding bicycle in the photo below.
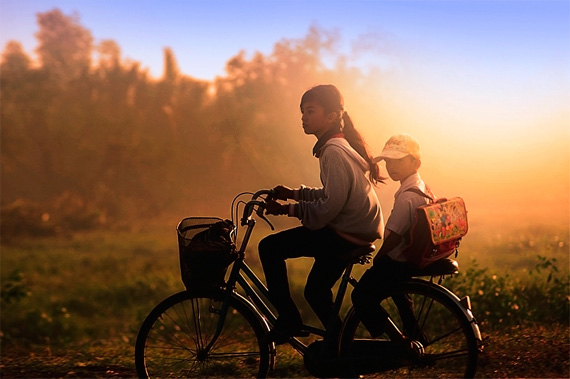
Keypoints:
(336, 218)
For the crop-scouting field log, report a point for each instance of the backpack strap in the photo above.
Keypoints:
(417, 191)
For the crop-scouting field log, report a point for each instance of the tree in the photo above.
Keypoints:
(171, 70)
(65, 47)
(110, 138)
(109, 55)
(14, 59)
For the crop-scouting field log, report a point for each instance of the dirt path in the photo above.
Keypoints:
(519, 352)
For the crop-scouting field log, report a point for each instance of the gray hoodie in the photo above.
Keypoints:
(347, 201)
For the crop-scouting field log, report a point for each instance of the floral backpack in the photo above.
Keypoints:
(437, 229)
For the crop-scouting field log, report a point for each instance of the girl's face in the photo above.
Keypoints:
(315, 120)
(400, 169)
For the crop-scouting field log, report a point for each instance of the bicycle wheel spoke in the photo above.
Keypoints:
(176, 340)
(424, 312)
(444, 336)
(197, 326)
(168, 338)
(178, 324)
(233, 355)
(449, 354)
(433, 318)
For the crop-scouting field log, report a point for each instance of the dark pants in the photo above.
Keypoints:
(374, 286)
(325, 246)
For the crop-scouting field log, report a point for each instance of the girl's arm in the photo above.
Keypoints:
(305, 193)
(302, 193)
(317, 207)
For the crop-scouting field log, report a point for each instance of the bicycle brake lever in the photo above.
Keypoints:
(262, 216)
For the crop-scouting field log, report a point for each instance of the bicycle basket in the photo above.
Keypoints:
(206, 250)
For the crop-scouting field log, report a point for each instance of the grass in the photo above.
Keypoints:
(72, 306)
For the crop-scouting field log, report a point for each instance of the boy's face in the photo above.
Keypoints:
(400, 169)
(315, 120)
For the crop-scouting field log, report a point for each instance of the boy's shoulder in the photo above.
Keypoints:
(416, 192)
(413, 187)
(414, 196)
(408, 193)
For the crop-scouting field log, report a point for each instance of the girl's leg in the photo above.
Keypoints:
(273, 251)
(325, 246)
(318, 290)
(327, 269)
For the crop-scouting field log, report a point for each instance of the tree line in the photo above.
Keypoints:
(91, 139)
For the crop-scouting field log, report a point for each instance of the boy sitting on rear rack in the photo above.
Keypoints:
(391, 265)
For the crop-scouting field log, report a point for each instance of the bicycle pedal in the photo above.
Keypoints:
(283, 336)
(412, 350)
(417, 349)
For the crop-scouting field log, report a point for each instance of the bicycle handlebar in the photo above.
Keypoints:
(270, 192)
(250, 206)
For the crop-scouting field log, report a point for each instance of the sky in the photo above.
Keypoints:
(204, 34)
(489, 80)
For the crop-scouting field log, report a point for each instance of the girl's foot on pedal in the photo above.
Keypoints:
(283, 335)
(284, 330)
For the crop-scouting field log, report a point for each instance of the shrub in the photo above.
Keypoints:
(499, 299)
(63, 214)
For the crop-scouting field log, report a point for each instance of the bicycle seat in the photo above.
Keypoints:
(445, 266)
(359, 254)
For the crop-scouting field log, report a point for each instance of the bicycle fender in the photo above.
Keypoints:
(262, 320)
(252, 308)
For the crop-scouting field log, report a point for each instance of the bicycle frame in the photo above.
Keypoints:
(242, 275)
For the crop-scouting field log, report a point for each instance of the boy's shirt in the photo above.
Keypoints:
(402, 216)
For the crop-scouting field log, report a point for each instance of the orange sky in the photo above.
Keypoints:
(506, 153)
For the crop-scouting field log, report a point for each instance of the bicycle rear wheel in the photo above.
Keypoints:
(174, 338)
(439, 323)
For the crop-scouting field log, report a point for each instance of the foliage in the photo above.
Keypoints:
(123, 147)
(63, 214)
(14, 288)
(500, 299)
(101, 285)
(78, 300)
(61, 291)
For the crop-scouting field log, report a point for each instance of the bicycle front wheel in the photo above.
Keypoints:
(181, 337)
(432, 317)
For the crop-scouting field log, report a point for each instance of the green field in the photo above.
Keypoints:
(71, 306)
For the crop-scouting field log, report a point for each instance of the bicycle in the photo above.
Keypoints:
(223, 333)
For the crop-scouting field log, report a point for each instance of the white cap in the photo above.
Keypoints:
(399, 146)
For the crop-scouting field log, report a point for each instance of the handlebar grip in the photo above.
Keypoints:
(249, 206)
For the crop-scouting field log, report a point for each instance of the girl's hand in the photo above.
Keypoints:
(274, 208)
(283, 193)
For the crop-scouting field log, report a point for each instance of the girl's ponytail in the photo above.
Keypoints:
(357, 142)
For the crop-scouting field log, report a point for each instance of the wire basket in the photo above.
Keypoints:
(206, 250)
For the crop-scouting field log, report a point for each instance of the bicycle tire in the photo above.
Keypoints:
(443, 327)
(171, 340)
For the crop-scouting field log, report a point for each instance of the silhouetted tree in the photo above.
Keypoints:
(65, 47)
(14, 59)
(108, 143)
